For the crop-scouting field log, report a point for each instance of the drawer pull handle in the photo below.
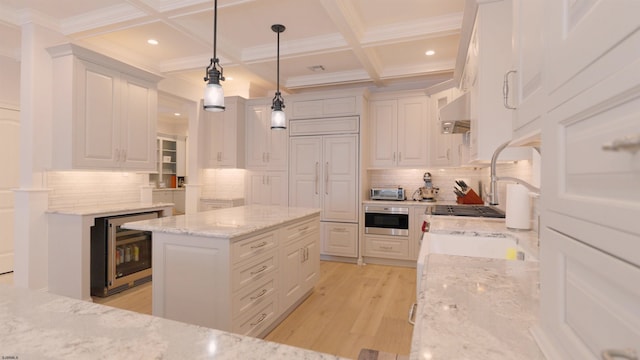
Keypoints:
(341, 230)
(260, 319)
(303, 229)
(386, 247)
(412, 314)
(629, 143)
(263, 268)
(261, 294)
(611, 354)
(262, 244)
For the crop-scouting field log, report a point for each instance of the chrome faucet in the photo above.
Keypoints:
(493, 190)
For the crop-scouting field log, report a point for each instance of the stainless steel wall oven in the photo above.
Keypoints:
(386, 220)
(120, 258)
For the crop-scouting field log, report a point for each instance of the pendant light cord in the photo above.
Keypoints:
(215, 27)
(278, 63)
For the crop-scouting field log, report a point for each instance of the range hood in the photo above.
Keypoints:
(455, 116)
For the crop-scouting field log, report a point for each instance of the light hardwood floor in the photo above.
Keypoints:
(352, 307)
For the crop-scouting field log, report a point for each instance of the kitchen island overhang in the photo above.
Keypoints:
(240, 269)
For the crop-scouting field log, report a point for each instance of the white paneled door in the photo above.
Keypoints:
(9, 147)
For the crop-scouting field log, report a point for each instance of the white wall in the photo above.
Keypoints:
(10, 80)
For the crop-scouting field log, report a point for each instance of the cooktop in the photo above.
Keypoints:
(467, 210)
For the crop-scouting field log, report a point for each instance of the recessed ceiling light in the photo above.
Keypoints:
(316, 68)
(228, 77)
(429, 52)
(152, 41)
(177, 114)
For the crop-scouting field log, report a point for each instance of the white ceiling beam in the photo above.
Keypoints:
(420, 29)
(350, 26)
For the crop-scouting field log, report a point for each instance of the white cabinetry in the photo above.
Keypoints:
(398, 132)
(342, 106)
(524, 84)
(324, 174)
(300, 256)
(105, 112)
(241, 285)
(489, 59)
(590, 246)
(175, 197)
(267, 187)
(266, 148)
(445, 149)
(226, 135)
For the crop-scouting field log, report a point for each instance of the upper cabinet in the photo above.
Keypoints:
(523, 91)
(488, 59)
(318, 108)
(266, 148)
(104, 112)
(399, 132)
(225, 135)
(445, 149)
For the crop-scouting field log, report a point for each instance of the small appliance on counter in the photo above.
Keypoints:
(387, 193)
(428, 192)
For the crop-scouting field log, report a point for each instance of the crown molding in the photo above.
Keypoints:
(401, 71)
(28, 16)
(328, 79)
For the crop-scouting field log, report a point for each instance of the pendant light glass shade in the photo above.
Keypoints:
(213, 94)
(278, 117)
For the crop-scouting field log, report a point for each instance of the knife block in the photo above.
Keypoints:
(470, 198)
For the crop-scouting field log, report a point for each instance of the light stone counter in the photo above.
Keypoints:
(225, 223)
(477, 308)
(39, 325)
(110, 209)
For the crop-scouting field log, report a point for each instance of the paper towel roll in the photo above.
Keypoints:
(518, 209)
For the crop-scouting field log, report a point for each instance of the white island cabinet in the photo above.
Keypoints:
(240, 269)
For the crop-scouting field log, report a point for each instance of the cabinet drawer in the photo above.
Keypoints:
(340, 239)
(254, 270)
(253, 296)
(253, 246)
(590, 301)
(299, 230)
(386, 247)
(257, 321)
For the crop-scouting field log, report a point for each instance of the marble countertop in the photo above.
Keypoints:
(477, 308)
(40, 325)
(528, 239)
(225, 223)
(407, 202)
(108, 209)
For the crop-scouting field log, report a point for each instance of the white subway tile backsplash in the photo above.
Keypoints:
(223, 183)
(85, 188)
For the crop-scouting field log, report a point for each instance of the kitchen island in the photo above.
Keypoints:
(40, 325)
(240, 269)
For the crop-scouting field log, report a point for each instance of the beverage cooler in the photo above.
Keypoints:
(120, 258)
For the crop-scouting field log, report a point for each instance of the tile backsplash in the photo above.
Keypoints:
(88, 188)
(223, 183)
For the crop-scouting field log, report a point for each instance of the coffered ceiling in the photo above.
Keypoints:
(327, 44)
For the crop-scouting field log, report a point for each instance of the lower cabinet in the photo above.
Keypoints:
(339, 239)
(584, 281)
(176, 196)
(244, 286)
(388, 247)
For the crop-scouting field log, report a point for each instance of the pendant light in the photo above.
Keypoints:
(278, 118)
(213, 92)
